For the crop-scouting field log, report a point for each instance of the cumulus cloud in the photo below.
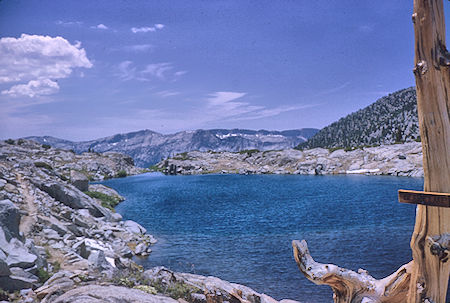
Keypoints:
(38, 61)
(33, 88)
(100, 26)
(146, 29)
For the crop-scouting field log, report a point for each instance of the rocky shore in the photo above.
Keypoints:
(397, 160)
(61, 241)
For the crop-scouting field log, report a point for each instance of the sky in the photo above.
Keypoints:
(82, 70)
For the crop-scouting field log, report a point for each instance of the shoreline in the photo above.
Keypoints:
(60, 244)
(397, 160)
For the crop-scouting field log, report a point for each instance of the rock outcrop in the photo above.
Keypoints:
(397, 160)
(59, 244)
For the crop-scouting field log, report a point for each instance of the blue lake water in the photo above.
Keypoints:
(240, 228)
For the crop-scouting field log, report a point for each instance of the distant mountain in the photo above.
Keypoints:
(390, 119)
(147, 147)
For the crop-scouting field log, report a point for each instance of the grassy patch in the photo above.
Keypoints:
(46, 146)
(121, 174)
(107, 201)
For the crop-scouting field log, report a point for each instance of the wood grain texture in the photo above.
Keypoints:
(424, 198)
(429, 280)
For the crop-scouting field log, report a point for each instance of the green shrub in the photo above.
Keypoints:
(181, 156)
(121, 174)
(10, 141)
(176, 290)
(107, 201)
(20, 141)
(249, 152)
(155, 168)
(43, 275)
(46, 146)
(332, 149)
(43, 165)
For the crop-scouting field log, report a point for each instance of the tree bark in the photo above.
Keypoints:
(429, 280)
(425, 279)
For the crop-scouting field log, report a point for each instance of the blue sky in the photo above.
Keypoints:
(86, 69)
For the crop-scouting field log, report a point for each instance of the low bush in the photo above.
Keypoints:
(121, 174)
(43, 275)
(107, 201)
(10, 141)
(46, 146)
(249, 152)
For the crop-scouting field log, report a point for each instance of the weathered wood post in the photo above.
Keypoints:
(425, 279)
(429, 280)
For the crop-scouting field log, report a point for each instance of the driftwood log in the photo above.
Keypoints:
(425, 279)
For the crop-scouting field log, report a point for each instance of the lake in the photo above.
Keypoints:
(239, 228)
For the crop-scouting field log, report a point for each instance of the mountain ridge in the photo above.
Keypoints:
(390, 119)
(148, 147)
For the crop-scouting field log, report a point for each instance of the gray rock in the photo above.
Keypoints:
(18, 255)
(73, 198)
(98, 260)
(57, 284)
(134, 227)
(106, 190)
(19, 272)
(79, 180)
(116, 217)
(51, 234)
(4, 269)
(108, 294)
(9, 219)
(141, 249)
(13, 283)
(2, 183)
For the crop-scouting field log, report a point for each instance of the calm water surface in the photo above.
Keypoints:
(240, 228)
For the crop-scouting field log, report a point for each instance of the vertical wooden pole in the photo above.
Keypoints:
(429, 280)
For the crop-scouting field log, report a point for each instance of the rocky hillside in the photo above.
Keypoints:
(390, 119)
(147, 147)
(398, 160)
(61, 241)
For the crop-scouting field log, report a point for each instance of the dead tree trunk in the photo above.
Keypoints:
(425, 279)
(431, 269)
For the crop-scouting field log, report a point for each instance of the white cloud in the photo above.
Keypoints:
(167, 93)
(126, 71)
(158, 70)
(138, 47)
(223, 106)
(33, 88)
(366, 28)
(68, 23)
(38, 58)
(143, 29)
(161, 71)
(100, 26)
(146, 29)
